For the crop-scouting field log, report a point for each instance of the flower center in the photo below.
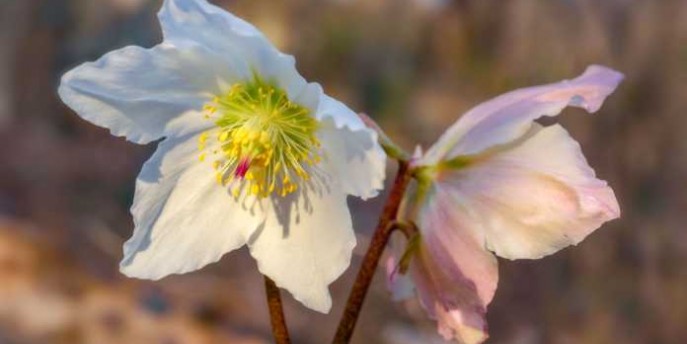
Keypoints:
(265, 141)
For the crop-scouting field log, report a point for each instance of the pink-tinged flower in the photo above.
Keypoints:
(250, 153)
(499, 182)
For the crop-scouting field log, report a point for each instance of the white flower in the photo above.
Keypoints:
(252, 153)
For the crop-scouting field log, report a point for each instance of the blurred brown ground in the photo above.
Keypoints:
(414, 65)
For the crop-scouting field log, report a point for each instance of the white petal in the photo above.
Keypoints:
(199, 22)
(184, 220)
(341, 114)
(144, 94)
(532, 199)
(355, 157)
(306, 244)
(198, 19)
(509, 116)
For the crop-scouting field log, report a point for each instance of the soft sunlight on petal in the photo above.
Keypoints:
(141, 94)
(198, 20)
(341, 114)
(454, 276)
(355, 158)
(535, 198)
(305, 244)
(509, 116)
(498, 181)
(252, 152)
(183, 220)
(187, 22)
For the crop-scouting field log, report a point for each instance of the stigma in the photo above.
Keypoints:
(265, 143)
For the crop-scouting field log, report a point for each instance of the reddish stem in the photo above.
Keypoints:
(279, 329)
(374, 252)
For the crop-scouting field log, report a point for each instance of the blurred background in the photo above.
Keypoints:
(415, 66)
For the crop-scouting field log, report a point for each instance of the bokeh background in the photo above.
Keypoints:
(415, 66)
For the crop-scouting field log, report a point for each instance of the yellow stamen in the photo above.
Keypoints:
(264, 140)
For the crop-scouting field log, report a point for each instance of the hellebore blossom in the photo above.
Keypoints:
(498, 182)
(251, 153)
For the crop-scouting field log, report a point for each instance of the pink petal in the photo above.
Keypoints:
(535, 197)
(400, 285)
(509, 116)
(454, 276)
